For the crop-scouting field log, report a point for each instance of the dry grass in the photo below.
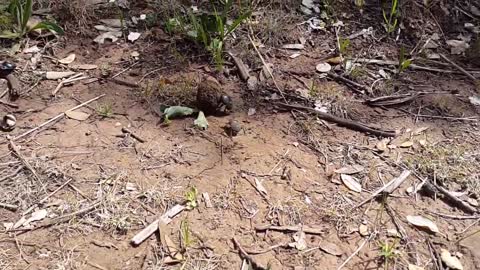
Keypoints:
(447, 162)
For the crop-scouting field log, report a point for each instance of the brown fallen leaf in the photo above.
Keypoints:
(67, 60)
(335, 60)
(350, 169)
(406, 144)
(450, 261)
(331, 248)
(423, 222)
(351, 183)
(382, 145)
(83, 66)
(80, 116)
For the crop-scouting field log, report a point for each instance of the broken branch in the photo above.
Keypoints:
(305, 229)
(343, 122)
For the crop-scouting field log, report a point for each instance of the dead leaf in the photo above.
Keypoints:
(295, 55)
(331, 248)
(112, 36)
(133, 36)
(419, 130)
(472, 202)
(423, 222)
(351, 183)
(300, 242)
(382, 145)
(80, 116)
(414, 267)
(36, 216)
(67, 60)
(33, 49)
(117, 23)
(406, 144)
(335, 60)
(293, 46)
(450, 261)
(353, 169)
(393, 233)
(265, 73)
(83, 66)
(173, 249)
(55, 75)
(457, 46)
(260, 187)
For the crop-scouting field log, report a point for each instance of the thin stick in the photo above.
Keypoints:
(9, 206)
(270, 248)
(17, 152)
(55, 118)
(46, 198)
(388, 188)
(246, 256)
(267, 68)
(72, 78)
(135, 136)
(356, 251)
(453, 216)
(153, 227)
(303, 228)
(469, 226)
(350, 83)
(343, 122)
(125, 70)
(150, 73)
(13, 105)
(471, 118)
(459, 67)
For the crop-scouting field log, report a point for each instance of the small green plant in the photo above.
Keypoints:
(21, 12)
(387, 252)
(313, 90)
(344, 44)
(185, 234)
(360, 4)
(390, 19)
(105, 110)
(191, 198)
(211, 30)
(403, 62)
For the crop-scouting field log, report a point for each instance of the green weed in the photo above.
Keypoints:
(390, 19)
(344, 44)
(21, 12)
(191, 198)
(211, 29)
(387, 252)
(185, 234)
(105, 110)
(403, 62)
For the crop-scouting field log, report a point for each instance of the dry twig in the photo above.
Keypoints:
(303, 228)
(246, 256)
(342, 121)
(133, 135)
(55, 118)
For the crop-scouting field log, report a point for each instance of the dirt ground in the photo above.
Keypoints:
(277, 188)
